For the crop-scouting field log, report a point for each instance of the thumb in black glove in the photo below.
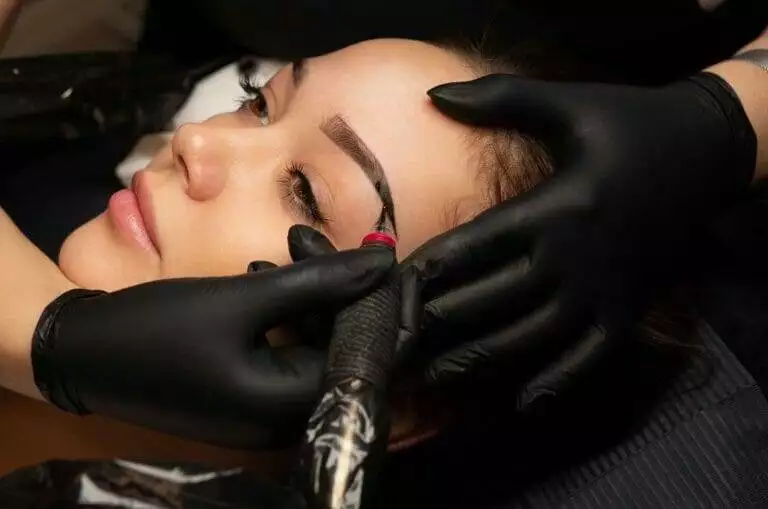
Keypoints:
(190, 357)
(551, 280)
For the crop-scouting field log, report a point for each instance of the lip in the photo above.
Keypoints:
(130, 210)
(143, 193)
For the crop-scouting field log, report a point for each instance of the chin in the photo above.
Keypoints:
(91, 258)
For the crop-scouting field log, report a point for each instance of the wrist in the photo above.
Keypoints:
(49, 376)
(16, 371)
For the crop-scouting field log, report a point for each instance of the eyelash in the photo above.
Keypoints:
(294, 184)
(297, 189)
(254, 99)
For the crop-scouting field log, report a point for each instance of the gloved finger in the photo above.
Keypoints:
(501, 233)
(260, 266)
(500, 100)
(482, 304)
(254, 267)
(317, 284)
(567, 370)
(500, 297)
(528, 338)
(305, 242)
(469, 249)
(411, 314)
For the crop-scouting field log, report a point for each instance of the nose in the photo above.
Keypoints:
(200, 153)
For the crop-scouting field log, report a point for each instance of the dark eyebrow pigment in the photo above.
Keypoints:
(344, 137)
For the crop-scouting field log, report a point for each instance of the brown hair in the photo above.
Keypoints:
(508, 162)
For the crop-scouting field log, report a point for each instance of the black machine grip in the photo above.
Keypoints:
(348, 431)
(363, 344)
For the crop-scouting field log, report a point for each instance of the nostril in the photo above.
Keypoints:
(181, 166)
(179, 162)
(197, 152)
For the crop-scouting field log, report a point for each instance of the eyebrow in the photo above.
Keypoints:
(343, 136)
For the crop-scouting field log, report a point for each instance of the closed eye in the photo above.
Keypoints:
(296, 190)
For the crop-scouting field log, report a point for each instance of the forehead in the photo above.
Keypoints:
(381, 89)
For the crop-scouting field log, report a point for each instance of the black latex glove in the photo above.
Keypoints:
(549, 281)
(190, 357)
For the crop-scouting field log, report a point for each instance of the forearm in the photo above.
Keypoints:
(29, 281)
(751, 85)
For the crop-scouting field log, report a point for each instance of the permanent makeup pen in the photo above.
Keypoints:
(347, 434)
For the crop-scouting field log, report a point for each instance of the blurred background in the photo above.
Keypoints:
(70, 26)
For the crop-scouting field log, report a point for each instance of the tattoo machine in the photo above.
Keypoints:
(347, 434)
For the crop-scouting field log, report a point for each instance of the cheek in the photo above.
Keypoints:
(93, 257)
(246, 223)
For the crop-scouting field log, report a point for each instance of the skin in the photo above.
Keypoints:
(217, 193)
(219, 202)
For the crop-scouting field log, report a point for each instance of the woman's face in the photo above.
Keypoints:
(317, 147)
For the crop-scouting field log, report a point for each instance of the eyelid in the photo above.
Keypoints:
(324, 197)
(323, 194)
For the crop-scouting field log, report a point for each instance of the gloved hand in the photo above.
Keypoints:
(551, 280)
(190, 357)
